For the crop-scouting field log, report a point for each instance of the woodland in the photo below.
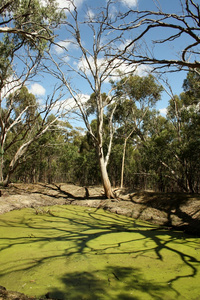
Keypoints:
(124, 140)
(67, 154)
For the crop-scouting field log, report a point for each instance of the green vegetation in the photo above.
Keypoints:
(149, 151)
(83, 253)
(125, 141)
(86, 253)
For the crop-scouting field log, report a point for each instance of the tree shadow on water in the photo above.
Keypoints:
(121, 283)
(112, 257)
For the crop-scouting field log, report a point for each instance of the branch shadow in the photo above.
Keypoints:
(94, 235)
(62, 192)
(172, 204)
(113, 283)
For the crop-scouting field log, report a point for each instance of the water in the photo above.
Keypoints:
(75, 253)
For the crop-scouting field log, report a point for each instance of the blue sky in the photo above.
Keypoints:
(44, 84)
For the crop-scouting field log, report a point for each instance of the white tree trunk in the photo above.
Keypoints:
(102, 161)
(123, 162)
(104, 175)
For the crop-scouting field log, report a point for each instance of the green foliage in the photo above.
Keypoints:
(191, 86)
(32, 22)
(145, 90)
(162, 153)
(6, 47)
(20, 101)
(91, 105)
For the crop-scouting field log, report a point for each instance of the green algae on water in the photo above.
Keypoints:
(75, 252)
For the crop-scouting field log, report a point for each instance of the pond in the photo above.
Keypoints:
(71, 252)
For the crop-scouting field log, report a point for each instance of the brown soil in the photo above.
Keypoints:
(173, 210)
(11, 295)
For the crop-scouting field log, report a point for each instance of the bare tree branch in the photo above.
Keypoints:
(95, 66)
(180, 26)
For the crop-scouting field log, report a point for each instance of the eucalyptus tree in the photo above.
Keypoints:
(191, 86)
(91, 62)
(158, 158)
(23, 121)
(29, 22)
(50, 157)
(26, 29)
(172, 148)
(136, 96)
(184, 113)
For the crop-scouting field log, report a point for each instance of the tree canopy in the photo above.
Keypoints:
(29, 22)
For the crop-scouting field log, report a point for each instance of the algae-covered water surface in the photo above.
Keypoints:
(75, 253)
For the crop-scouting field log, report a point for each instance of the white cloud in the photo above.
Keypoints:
(37, 89)
(66, 44)
(11, 86)
(69, 105)
(67, 4)
(117, 68)
(90, 14)
(124, 44)
(124, 68)
(142, 70)
(130, 3)
(163, 111)
(62, 4)
(84, 64)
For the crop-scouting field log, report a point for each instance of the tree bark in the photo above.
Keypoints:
(1, 165)
(105, 179)
(22, 150)
(123, 157)
(123, 161)
(102, 161)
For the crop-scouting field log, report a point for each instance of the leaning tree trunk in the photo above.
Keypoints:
(14, 162)
(104, 176)
(12, 167)
(99, 144)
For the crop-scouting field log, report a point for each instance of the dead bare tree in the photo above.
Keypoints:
(182, 27)
(94, 65)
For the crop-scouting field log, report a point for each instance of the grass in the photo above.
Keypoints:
(75, 253)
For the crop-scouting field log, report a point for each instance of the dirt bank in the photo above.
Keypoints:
(11, 295)
(174, 210)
